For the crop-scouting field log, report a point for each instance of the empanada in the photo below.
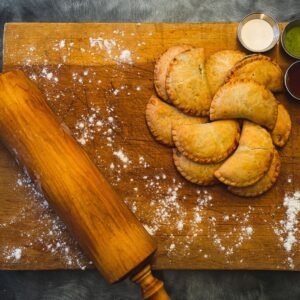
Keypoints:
(162, 66)
(186, 83)
(260, 68)
(202, 174)
(251, 160)
(264, 184)
(207, 143)
(283, 125)
(218, 65)
(245, 99)
(160, 116)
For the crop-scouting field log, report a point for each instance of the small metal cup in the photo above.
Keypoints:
(283, 35)
(286, 76)
(268, 19)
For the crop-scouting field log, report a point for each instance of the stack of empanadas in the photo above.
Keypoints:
(222, 117)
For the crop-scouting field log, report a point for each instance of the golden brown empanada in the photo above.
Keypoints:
(162, 66)
(160, 116)
(202, 174)
(207, 143)
(251, 160)
(186, 83)
(283, 125)
(264, 184)
(218, 65)
(245, 99)
(260, 68)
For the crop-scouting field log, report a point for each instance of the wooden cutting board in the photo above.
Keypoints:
(98, 78)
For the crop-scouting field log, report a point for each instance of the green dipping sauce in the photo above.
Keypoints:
(292, 41)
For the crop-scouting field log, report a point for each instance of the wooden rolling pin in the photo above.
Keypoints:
(105, 228)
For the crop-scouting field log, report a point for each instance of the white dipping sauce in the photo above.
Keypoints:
(257, 34)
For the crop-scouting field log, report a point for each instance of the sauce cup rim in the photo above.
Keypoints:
(285, 79)
(259, 15)
(289, 24)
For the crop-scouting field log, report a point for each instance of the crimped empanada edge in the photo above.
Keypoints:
(174, 100)
(266, 188)
(247, 183)
(187, 176)
(161, 91)
(286, 136)
(232, 82)
(152, 128)
(195, 158)
(249, 59)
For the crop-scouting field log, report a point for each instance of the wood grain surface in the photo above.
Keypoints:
(84, 72)
(105, 227)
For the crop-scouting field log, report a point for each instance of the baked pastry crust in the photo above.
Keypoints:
(186, 83)
(202, 174)
(260, 68)
(218, 65)
(251, 160)
(162, 66)
(281, 132)
(160, 117)
(264, 184)
(209, 142)
(245, 99)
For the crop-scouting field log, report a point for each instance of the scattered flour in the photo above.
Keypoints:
(231, 238)
(94, 124)
(143, 162)
(15, 254)
(122, 156)
(172, 246)
(226, 218)
(197, 218)
(289, 227)
(62, 44)
(49, 234)
(249, 230)
(116, 92)
(151, 229)
(180, 225)
(125, 56)
(96, 42)
(113, 48)
(86, 126)
(166, 201)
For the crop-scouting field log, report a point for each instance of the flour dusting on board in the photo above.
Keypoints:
(292, 204)
(162, 204)
(122, 157)
(52, 235)
(287, 228)
(112, 47)
(125, 56)
(13, 254)
(93, 123)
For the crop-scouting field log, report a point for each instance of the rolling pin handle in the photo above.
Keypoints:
(152, 288)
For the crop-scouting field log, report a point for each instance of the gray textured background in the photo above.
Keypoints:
(182, 285)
